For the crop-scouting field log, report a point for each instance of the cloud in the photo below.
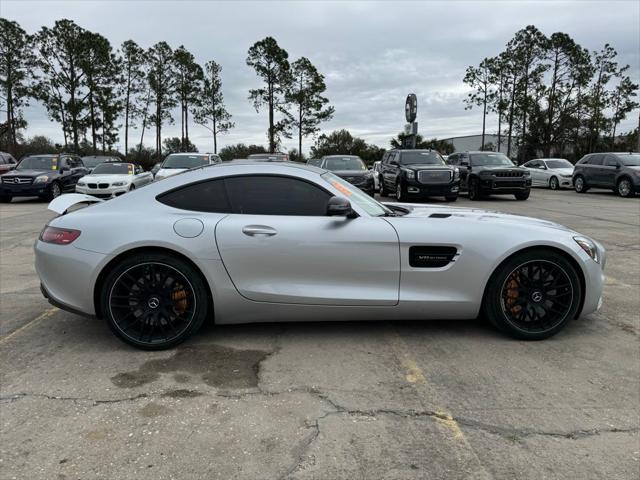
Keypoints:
(372, 53)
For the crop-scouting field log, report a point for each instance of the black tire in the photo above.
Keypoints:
(522, 195)
(580, 184)
(132, 187)
(624, 187)
(6, 199)
(451, 198)
(400, 193)
(554, 184)
(474, 189)
(54, 191)
(382, 190)
(165, 302)
(533, 295)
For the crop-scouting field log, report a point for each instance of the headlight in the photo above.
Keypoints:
(456, 173)
(82, 184)
(41, 179)
(119, 184)
(526, 173)
(410, 174)
(588, 246)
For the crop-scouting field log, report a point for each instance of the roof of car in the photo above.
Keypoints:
(302, 166)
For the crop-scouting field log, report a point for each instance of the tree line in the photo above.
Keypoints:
(93, 90)
(552, 96)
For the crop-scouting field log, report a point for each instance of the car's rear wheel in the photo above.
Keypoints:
(533, 295)
(474, 189)
(6, 198)
(154, 301)
(554, 184)
(624, 187)
(580, 185)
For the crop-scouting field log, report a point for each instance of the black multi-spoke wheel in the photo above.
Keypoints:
(533, 295)
(154, 301)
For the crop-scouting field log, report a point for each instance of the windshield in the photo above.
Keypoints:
(113, 169)
(421, 158)
(632, 160)
(92, 162)
(559, 163)
(344, 163)
(38, 163)
(185, 161)
(481, 159)
(357, 196)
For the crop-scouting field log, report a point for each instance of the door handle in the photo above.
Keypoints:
(259, 231)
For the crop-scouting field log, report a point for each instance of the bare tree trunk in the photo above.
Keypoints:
(215, 132)
(484, 117)
(186, 127)
(511, 108)
(272, 146)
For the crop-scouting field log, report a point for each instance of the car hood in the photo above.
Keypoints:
(167, 172)
(350, 173)
(417, 167)
(562, 171)
(474, 214)
(116, 177)
(30, 173)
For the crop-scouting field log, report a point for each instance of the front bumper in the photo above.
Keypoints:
(565, 182)
(416, 189)
(24, 190)
(505, 186)
(110, 192)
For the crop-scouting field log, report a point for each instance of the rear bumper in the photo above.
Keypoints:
(68, 275)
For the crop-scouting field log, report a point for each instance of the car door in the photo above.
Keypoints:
(593, 170)
(609, 170)
(278, 245)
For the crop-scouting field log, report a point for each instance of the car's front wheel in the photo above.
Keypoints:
(474, 189)
(154, 301)
(451, 198)
(532, 295)
(6, 199)
(400, 193)
(381, 188)
(624, 187)
(554, 184)
(523, 195)
(580, 185)
(54, 191)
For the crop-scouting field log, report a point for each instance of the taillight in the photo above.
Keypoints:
(59, 236)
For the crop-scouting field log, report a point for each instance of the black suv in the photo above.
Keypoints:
(44, 176)
(618, 171)
(489, 173)
(352, 169)
(418, 174)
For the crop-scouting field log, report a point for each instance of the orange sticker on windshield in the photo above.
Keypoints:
(342, 188)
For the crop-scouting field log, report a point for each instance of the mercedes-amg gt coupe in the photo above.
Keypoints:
(255, 242)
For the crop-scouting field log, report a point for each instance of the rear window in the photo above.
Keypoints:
(209, 196)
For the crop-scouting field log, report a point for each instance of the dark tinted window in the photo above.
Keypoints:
(610, 161)
(452, 160)
(272, 195)
(596, 160)
(209, 196)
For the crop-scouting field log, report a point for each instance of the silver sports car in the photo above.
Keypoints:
(260, 242)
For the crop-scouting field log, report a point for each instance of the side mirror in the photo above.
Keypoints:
(339, 207)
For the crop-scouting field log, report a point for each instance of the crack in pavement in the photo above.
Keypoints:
(19, 396)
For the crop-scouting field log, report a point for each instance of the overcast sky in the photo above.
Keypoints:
(371, 53)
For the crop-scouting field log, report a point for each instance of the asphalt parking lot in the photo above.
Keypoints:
(439, 400)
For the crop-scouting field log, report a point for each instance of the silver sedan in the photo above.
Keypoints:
(553, 173)
(256, 242)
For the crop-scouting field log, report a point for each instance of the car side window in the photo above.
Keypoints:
(208, 196)
(275, 195)
(385, 158)
(452, 160)
(596, 160)
(610, 161)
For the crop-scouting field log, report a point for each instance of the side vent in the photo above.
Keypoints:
(440, 215)
(431, 257)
